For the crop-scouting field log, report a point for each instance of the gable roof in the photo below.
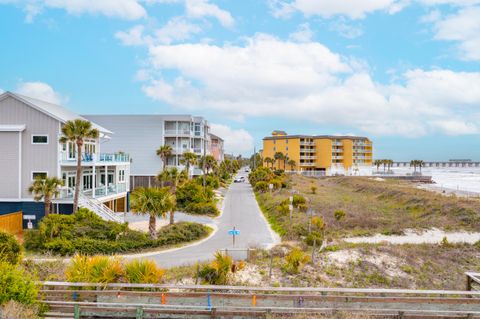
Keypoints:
(58, 112)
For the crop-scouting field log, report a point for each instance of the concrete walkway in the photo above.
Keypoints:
(240, 210)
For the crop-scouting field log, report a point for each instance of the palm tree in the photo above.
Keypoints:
(279, 156)
(176, 177)
(155, 202)
(415, 164)
(188, 159)
(46, 189)
(377, 163)
(269, 160)
(292, 164)
(164, 152)
(163, 177)
(384, 163)
(77, 131)
(389, 164)
(208, 162)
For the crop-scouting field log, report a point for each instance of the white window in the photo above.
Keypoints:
(121, 176)
(41, 175)
(39, 139)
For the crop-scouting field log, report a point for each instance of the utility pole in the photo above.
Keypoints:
(204, 159)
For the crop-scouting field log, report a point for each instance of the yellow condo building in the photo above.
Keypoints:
(325, 154)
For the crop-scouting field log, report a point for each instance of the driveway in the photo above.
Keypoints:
(240, 211)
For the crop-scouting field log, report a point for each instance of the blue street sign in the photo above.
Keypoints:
(234, 232)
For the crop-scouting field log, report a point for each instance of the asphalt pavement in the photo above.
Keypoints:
(241, 211)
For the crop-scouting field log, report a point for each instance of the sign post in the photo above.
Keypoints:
(234, 232)
(29, 218)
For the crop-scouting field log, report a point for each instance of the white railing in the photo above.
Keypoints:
(337, 157)
(337, 150)
(308, 157)
(337, 143)
(100, 191)
(98, 208)
(307, 164)
(307, 150)
(307, 143)
(95, 158)
(178, 132)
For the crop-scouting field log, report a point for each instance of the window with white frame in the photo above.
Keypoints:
(121, 176)
(41, 175)
(39, 139)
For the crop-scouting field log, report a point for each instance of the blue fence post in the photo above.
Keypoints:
(209, 302)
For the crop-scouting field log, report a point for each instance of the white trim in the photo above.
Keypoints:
(34, 134)
(19, 164)
(2, 200)
(31, 174)
(12, 128)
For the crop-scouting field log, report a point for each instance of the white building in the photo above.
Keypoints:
(29, 140)
(141, 135)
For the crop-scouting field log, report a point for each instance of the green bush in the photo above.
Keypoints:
(85, 233)
(261, 174)
(261, 187)
(192, 192)
(295, 260)
(209, 209)
(16, 285)
(211, 181)
(10, 249)
(316, 237)
(217, 272)
(339, 215)
(298, 200)
(276, 182)
(143, 272)
(94, 269)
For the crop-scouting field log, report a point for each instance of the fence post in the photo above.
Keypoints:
(271, 266)
(76, 311)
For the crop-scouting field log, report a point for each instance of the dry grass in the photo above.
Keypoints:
(386, 207)
(15, 310)
(332, 315)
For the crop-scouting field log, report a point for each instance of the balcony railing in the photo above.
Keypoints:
(337, 157)
(307, 164)
(337, 150)
(307, 157)
(178, 132)
(97, 158)
(100, 191)
(307, 143)
(307, 150)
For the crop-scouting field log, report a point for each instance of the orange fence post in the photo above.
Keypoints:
(254, 300)
(163, 299)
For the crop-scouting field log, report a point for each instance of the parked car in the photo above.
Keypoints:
(240, 179)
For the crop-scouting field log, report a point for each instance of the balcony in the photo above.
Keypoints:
(307, 143)
(100, 191)
(95, 159)
(307, 157)
(338, 157)
(307, 150)
(337, 150)
(307, 164)
(179, 132)
(337, 143)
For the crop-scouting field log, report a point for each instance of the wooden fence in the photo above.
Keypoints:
(82, 300)
(12, 223)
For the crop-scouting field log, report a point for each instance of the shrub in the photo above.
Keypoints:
(279, 172)
(297, 200)
(10, 249)
(261, 174)
(181, 232)
(313, 188)
(209, 209)
(339, 215)
(16, 285)
(295, 260)
(211, 181)
(143, 271)
(192, 192)
(216, 273)
(314, 237)
(261, 187)
(276, 182)
(302, 208)
(94, 269)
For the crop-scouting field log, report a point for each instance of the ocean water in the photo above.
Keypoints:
(457, 178)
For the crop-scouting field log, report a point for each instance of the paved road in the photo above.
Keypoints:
(240, 210)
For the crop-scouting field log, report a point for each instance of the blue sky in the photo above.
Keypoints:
(405, 73)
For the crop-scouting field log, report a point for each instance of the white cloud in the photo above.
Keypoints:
(176, 29)
(346, 30)
(268, 77)
(327, 9)
(236, 141)
(303, 34)
(41, 91)
(462, 27)
(202, 8)
(123, 9)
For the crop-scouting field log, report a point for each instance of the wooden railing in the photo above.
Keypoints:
(171, 301)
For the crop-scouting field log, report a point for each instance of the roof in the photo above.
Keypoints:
(216, 137)
(340, 137)
(278, 132)
(12, 128)
(58, 112)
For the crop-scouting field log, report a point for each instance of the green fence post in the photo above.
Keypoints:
(139, 314)
(76, 311)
